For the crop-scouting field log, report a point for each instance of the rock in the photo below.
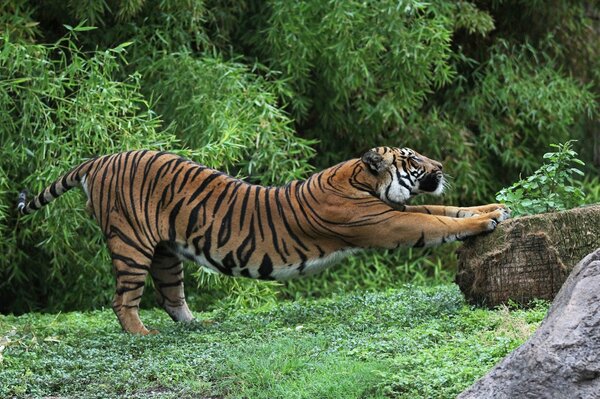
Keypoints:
(562, 358)
(528, 257)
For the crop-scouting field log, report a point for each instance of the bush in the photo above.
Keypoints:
(62, 106)
(439, 77)
(58, 107)
(550, 188)
(257, 89)
(229, 116)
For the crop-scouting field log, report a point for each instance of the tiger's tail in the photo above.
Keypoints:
(59, 187)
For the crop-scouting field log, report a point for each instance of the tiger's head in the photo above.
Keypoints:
(401, 173)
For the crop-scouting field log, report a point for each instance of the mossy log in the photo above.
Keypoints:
(528, 257)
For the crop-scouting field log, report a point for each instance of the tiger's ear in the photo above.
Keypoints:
(374, 161)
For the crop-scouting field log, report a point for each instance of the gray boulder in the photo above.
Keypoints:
(562, 358)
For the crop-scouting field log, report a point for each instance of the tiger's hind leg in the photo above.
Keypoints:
(167, 273)
(131, 265)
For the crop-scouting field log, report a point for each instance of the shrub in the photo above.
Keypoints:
(439, 77)
(550, 188)
(255, 88)
(58, 107)
(62, 106)
(228, 115)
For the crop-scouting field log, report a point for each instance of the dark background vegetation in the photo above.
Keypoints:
(270, 91)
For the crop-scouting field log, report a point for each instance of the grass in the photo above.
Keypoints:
(408, 342)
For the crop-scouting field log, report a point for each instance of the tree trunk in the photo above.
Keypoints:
(562, 358)
(528, 257)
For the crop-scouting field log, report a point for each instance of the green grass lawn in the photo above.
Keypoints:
(410, 342)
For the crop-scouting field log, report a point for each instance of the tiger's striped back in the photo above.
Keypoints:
(201, 214)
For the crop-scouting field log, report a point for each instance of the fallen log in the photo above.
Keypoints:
(528, 257)
(562, 358)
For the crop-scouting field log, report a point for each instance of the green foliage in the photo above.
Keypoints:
(406, 343)
(229, 115)
(17, 21)
(45, 89)
(519, 104)
(363, 65)
(214, 291)
(591, 189)
(550, 188)
(258, 89)
(426, 76)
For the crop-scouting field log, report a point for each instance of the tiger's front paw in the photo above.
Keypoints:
(501, 213)
(495, 217)
(489, 208)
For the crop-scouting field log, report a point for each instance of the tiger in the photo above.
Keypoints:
(157, 209)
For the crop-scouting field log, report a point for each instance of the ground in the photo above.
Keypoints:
(408, 342)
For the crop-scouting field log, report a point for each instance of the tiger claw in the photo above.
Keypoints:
(500, 215)
(494, 223)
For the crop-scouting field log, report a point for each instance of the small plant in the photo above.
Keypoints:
(550, 188)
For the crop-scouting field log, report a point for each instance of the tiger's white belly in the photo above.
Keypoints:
(311, 266)
(280, 272)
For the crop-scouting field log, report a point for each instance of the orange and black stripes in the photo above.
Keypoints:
(156, 209)
(55, 190)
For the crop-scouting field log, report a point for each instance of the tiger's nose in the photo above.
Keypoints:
(438, 165)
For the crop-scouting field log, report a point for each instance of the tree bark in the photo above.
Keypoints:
(562, 358)
(528, 257)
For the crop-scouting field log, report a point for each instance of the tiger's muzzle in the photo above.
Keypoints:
(432, 182)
